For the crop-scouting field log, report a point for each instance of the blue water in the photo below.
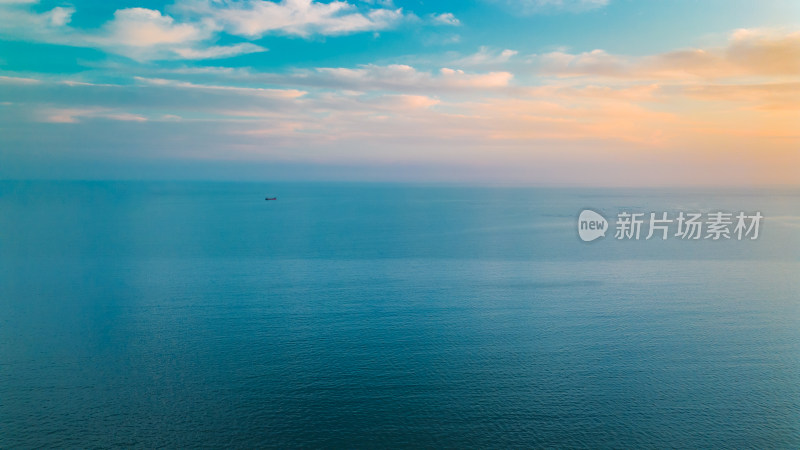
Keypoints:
(197, 314)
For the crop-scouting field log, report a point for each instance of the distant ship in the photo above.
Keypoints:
(271, 198)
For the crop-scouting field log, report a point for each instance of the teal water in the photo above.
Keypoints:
(345, 315)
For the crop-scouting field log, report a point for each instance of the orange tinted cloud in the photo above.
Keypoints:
(749, 52)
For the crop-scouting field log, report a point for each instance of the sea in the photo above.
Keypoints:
(348, 315)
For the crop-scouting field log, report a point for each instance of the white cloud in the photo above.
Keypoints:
(192, 27)
(445, 19)
(404, 78)
(138, 33)
(218, 51)
(256, 18)
(142, 27)
(397, 78)
(59, 16)
(551, 6)
(18, 21)
(259, 92)
(146, 34)
(597, 62)
(486, 56)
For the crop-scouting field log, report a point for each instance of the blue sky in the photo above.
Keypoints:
(534, 91)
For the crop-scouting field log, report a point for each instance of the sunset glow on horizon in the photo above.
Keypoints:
(552, 93)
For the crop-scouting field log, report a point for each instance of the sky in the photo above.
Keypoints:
(539, 92)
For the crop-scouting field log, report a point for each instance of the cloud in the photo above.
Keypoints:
(593, 63)
(59, 16)
(18, 21)
(259, 92)
(18, 80)
(412, 101)
(256, 18)
(674, 114)
(486, 56)
(193, 27)
(747, 53)
(73, 115)
(394, 78)
(461, 79)
(402, 77)
(765, 52)
(609, 131)
(765, 96)
(529, 7)
(445, 19)
(149, 97)
(143, 27)
(138, 33)
(217, 51)
(146, 34)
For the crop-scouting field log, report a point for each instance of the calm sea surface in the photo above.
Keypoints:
(347, 315)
